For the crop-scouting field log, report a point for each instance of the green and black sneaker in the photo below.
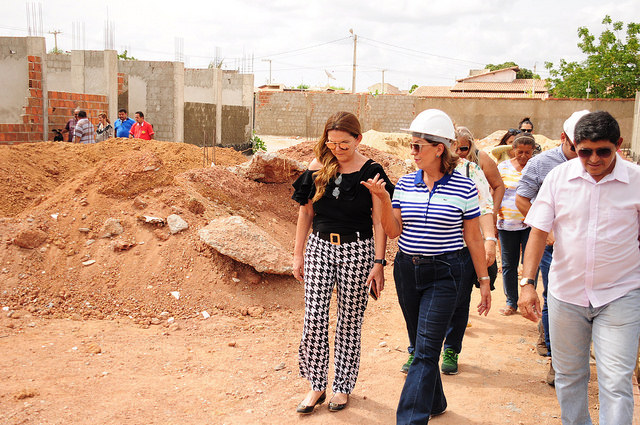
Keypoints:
(405, 367)
(449, 362)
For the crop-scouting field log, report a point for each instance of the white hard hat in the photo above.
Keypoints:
(434, 125)
(569, 125)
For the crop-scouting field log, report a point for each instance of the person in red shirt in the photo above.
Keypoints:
(141, 129)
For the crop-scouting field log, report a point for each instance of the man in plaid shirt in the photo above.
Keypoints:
(84, 132)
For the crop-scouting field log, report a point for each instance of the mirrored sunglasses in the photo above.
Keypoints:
(342, 145)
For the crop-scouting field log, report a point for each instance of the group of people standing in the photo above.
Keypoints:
(79, 129)
(445, 215)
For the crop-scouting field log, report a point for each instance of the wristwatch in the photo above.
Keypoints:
(524, 281)
(380, 261)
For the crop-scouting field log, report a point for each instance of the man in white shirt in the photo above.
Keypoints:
(592, 204)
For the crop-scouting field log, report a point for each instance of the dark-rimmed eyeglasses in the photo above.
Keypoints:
(342, 145)
(601, 152)
(463, 148)
(526, 130)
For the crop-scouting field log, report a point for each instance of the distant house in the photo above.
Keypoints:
(493, 84)
(388, 89)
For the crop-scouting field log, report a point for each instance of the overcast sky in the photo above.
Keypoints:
(424, 42)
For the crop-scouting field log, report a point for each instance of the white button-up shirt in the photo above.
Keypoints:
(596, 256)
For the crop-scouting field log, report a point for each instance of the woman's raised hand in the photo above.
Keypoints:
(376, 186)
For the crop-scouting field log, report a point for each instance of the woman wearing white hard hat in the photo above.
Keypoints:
(430, 209)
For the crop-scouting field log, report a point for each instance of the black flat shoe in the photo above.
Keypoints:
(336, 407)
(305, 410)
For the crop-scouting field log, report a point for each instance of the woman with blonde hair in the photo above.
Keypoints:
(104, 130)
(346, 248)
(464, 147)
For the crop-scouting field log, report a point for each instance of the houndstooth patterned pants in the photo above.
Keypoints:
(348, 266)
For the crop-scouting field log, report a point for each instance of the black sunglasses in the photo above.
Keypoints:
(514, 131)
(526, 130)
(601, 152)
(463, 148)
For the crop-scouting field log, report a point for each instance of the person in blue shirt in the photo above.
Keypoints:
(429, 210)
(123, 124)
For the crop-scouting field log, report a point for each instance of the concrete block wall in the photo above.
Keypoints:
(304, 113)
(218, 99)
(59, 72)
(96, 72)
(157, 89)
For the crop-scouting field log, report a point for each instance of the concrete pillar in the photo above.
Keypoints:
(77, 71)
(178, 101)
(111, 77)
(217, 75)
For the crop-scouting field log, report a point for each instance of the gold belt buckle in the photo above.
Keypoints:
(334, 238)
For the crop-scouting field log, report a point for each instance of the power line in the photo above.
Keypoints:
(302, 48)
(421, 52)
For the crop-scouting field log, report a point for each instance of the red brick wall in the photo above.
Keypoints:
(122, 83)
(32, 117)
(62, 104)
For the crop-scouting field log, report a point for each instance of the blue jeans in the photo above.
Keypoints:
(460, 318)
(427, 292)
(545, 265)
(615, 329)
(512, 243)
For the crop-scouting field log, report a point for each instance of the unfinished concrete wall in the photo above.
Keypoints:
(199, 123)
(218, 99)
(96, 72)
(200, 85)
(157, 89)
(23, 112)
(59, 72)
(304, 113)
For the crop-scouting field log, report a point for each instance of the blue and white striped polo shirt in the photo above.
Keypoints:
(432, 221)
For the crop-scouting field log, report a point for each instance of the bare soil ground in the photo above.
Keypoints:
(107, 342)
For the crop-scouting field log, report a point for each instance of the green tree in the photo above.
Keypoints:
(124, 56)
(612, 67)
(413, 87)
(303, 87)
(524, 73)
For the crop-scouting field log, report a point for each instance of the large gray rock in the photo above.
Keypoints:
(245, 242)
(176, 224)
(269, 168)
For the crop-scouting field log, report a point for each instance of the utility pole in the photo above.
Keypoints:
(383, 80)
(533, 82)
(268, 60)
(55, 38)
(353, 78)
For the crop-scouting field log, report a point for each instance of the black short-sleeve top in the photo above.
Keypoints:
(346, 204)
